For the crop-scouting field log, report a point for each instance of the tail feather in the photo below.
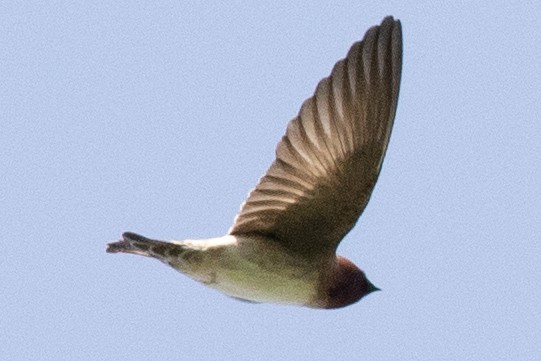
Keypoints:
(137, 244)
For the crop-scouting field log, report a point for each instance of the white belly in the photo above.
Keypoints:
(254, 269)
(250, 282)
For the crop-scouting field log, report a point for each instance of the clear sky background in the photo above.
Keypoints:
(159, 117)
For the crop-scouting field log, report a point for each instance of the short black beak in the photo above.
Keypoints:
(372, 288)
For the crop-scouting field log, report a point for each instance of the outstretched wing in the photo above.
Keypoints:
(330, 157)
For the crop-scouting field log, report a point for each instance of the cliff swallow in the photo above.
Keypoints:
(282, 245)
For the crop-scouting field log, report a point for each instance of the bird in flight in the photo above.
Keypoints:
(282, 245)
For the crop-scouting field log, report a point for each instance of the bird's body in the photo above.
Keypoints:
(233, 265)
(281, 247)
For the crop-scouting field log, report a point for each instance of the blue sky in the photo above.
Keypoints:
(159, 117)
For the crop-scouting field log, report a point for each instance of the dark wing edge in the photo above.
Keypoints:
(330, 157)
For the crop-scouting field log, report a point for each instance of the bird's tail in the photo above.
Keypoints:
(136, 244)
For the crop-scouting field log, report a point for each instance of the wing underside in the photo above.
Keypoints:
(329, 160)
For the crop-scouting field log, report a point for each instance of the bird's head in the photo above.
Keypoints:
(348, 285)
